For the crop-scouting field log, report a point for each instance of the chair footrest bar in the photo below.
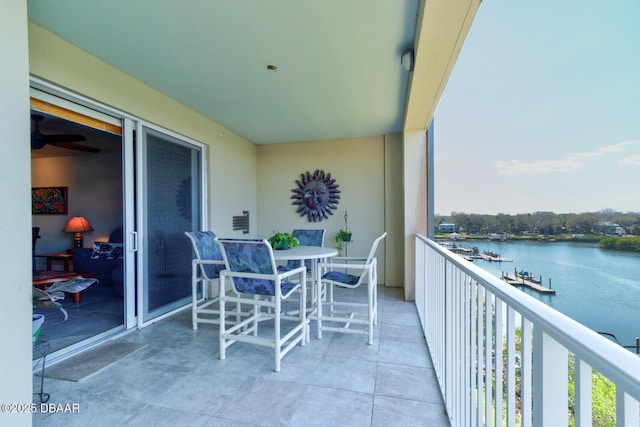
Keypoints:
(345, 330)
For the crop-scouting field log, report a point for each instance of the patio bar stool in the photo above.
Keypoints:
(252, 271)
(205, 269)
(340, 316)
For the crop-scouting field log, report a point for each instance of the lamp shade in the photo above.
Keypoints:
(77, 224)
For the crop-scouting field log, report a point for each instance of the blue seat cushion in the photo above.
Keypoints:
(338, 276)
(291, 264)
(261, 286)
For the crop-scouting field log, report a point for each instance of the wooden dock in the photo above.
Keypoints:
(522, 282)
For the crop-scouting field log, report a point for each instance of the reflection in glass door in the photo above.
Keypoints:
(171, 204)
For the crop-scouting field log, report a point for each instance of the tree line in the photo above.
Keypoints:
(546, 223)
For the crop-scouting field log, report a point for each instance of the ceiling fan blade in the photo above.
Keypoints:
(77, 147)
(39, 140)
(59, 138)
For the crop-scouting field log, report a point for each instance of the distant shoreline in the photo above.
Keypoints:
(588, 238)
(623, 244)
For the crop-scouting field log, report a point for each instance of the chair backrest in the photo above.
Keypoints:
(374, 247)
(307, 237)
(249, 256)
(372, 252)
(35, 235)
(310, 237)
(206, 248)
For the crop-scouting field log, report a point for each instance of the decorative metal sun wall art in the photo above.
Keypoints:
(317, 195)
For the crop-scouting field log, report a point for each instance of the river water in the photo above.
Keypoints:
(598, 288)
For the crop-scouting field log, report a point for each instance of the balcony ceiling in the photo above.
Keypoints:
(338, 62)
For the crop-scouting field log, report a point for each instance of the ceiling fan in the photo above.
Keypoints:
(39, 140)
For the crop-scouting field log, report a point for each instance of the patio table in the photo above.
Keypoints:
(303, 253)
(311, 253)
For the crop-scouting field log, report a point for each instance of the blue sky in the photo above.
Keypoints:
(542, 111)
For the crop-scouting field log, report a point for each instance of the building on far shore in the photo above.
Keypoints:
(446, 227)
(609, 228)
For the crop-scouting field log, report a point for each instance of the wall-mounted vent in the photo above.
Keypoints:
(241, 222)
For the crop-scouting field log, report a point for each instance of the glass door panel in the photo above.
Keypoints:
(171, 204)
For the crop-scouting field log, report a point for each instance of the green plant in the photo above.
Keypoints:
(283, 241)
(603, 397)
(341, 237)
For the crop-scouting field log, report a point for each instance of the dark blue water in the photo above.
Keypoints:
(598, 288)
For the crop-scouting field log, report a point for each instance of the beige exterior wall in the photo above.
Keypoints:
(393, 209)
(232, 159)
(15, 316)
(415, 202)
(359, 167)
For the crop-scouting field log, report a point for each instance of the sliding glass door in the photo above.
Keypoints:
(170, 203)
(79, 151)
(134, 182)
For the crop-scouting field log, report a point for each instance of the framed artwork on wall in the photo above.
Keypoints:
(49, 200)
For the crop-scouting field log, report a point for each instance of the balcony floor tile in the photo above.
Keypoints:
(177, 379)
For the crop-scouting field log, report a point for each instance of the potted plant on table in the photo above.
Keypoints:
(281, 241)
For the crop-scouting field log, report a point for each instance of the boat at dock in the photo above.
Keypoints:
(528, 276)
(588, 281)
(524, 281)
(459, 248)
(494, 257)
(471, 253)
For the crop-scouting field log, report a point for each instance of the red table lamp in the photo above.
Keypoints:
(77, 225)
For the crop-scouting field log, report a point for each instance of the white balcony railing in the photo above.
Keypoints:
(479, 329)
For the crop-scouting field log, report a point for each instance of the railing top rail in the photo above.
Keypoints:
(605, 356)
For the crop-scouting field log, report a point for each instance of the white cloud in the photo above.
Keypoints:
(617, 148)
(569, 164)
(607, 149)
(632, 160)
(516, 167)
